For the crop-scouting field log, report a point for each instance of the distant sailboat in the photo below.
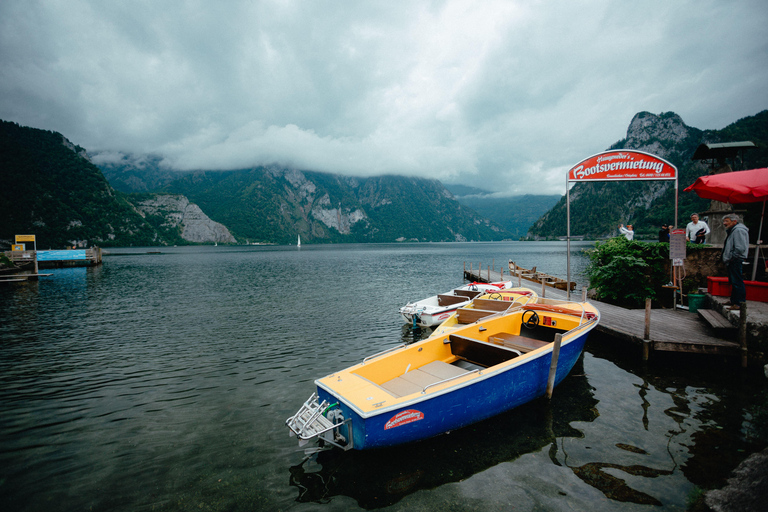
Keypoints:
(299, 242)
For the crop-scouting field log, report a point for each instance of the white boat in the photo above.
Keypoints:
(298, 244)
(433, 310)
(488, 304)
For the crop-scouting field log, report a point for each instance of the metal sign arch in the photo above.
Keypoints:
(616, 165)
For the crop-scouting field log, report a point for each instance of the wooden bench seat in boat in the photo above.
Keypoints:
(471, 294)
(491, 305)
(414, 381)
(469, 315)
(480, 352)
(517, 342)
(449, 300)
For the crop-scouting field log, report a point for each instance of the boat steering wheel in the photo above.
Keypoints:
(495, 296)
(533, 321)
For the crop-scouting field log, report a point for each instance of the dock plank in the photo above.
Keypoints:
(715, 319)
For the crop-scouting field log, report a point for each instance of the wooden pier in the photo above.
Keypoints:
(669, 330)
(57, 259)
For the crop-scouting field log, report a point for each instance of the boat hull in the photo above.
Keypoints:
(492, 393)
(430, 313)
(430, 319)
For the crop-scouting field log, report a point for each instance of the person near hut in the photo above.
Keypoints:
(735, 251)
(697, 230)
(664, 233)
(628, 232)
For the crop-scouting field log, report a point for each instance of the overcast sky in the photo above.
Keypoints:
(503, 95)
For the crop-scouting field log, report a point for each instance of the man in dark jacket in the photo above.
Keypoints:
(735, 251)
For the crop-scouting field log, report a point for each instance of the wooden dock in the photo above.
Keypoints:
(57, 259)
(670, 330)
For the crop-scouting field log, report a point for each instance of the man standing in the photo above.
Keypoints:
(664, 233)
(735, 251)
(696, 230)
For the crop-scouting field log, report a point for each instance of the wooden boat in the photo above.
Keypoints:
(443, 383)
(539, 277)
(433, 310)
(488, 304)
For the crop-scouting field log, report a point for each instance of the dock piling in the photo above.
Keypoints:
(743, 333)
(553, 365)
(647, 331)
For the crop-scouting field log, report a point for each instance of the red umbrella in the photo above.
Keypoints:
(735, 188)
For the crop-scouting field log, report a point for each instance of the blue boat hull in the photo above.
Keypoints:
(485, 397)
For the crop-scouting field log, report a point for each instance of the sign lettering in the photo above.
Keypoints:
(621, 165)
(403, 418)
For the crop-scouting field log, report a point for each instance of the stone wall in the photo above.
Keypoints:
(704, 261)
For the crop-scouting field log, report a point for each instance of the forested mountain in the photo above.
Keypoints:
(276, 204)
(598, 208)
(52, 190)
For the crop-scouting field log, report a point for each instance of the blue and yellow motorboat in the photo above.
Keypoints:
(413, 392)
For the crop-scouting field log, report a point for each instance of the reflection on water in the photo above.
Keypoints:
(162, 381)
(380, 478)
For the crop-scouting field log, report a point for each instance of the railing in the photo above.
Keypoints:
(384, 352)
(424, 391)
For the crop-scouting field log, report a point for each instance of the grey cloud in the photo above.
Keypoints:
(504, 97)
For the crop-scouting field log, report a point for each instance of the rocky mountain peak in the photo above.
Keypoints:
(656, 134)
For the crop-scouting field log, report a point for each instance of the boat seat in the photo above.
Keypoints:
(491, 304)
(480, 352)
(414, 381)
(450, 300)
(470, 315)
(442, 370)
(516, 342)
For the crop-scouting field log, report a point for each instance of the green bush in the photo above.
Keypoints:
(627, 272)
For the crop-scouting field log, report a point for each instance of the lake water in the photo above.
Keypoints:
(162, 382)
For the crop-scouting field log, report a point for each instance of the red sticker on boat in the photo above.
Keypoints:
(403, 418)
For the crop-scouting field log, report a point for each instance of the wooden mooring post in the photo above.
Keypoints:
(553, 365)
(743, 333)
(647, 330)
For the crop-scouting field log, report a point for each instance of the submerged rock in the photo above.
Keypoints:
(747, 489)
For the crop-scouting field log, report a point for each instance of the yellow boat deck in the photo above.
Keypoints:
(407, 373)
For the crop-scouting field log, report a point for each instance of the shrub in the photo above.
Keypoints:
(627, 272)
(5, 262)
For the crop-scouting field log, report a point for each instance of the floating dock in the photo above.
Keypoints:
(669, 330)
(57, 259)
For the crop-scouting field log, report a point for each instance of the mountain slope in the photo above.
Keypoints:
(275, 204)
(52, 190)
